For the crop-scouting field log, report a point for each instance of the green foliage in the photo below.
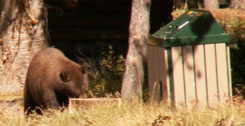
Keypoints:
(108, 81)
(114, 64)
(238, 67)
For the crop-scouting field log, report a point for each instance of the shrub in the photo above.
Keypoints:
(106, 72)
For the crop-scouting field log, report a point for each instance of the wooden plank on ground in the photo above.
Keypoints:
(88, 102)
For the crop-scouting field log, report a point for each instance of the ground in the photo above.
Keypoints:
(13, 106)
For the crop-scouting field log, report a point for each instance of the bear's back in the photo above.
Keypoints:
(51, 58)
(48, 62)
(45, 69)
(47, 55)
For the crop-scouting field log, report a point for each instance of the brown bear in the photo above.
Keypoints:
(51, 79)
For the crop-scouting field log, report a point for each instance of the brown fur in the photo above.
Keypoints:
(51, 79)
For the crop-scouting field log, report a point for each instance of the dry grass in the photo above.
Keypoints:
(128, 114)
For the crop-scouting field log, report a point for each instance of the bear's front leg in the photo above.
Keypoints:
(29, 102)
(50, 99)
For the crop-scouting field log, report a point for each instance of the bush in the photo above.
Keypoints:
(106, 72)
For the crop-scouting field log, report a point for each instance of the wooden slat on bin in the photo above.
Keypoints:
(200, 76)
(157, 73)
(189, 79)
(156, 84)
(229, 70)
(167, 78)
(162, 71)
(222, 72)
(170, 76)
(211, 74)
(151, 64)
(178, 77)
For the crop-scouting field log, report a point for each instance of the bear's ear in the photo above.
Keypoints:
(64, 75)
(84, 68)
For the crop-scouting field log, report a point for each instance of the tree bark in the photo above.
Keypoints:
(23, 33)
(211, 4)
(136, 56)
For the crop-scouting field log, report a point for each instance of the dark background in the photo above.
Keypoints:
(90, 26)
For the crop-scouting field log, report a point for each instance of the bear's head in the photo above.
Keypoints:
(75, 80)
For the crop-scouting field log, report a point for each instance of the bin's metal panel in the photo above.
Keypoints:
(184, 41)
(192, 28)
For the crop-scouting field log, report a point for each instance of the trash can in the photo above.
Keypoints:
(188, 61)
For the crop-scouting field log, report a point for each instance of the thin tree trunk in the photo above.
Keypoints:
(23, 33)
(136, 56)
(211, 4)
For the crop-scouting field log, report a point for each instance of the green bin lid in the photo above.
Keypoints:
(191, 28)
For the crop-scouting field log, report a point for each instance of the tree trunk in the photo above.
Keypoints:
(136, 56)
(211, 4)
(192, 4)
(23, 33)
